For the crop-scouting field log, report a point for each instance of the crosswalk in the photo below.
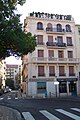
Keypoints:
(50, 116)
(8, 98)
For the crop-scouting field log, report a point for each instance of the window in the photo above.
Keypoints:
(40, 26)
(60, 54)
(49, 27)
(40, 53)
(72, 87)
(62, 87)
(40, 39)
(61, 71)
(41, 87)
(79, 32)
(50, 53)
(70, 54)
(50, 39)
(51, 70)
(41, 71)
(59, 39)
(71, 71)
(68, 28)
(59, 28)
(69, 41)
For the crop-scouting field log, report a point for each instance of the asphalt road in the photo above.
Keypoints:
(45, 109)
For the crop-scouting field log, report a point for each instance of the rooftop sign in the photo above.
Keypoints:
(51, 16)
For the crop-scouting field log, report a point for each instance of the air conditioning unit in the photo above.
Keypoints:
(34, 76)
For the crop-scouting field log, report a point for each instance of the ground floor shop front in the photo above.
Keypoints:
(60, 87)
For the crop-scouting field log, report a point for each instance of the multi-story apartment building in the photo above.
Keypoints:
(77, 32)
(2, 73)
(53, 67)
(13, 72)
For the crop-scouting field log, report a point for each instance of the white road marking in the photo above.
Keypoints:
(9, 98)
(71, 115)
(1, 98)
(27, 116)
(16, 98)
(76, 109)
(49, 115)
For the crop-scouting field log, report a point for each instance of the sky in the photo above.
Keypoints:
(64, 7)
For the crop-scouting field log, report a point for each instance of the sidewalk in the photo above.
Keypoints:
(7, 113)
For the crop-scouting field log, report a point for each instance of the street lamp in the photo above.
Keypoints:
(56, 83)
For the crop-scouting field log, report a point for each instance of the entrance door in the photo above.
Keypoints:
(73, 88)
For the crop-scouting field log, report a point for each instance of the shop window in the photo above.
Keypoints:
(41, 87)
(62, 87)
(72, 87)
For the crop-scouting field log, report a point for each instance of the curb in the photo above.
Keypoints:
(15, 112)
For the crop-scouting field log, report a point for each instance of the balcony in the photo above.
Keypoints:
(55, 60)
(55, 44)
(51, 74)
(40, 43)
(41, 74)
(70, 44)
(40, 28)
(71, 74)
(62, 74)
(55, 30)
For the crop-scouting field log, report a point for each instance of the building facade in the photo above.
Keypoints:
(13, 72)
(77, 32)
(54, 65)
(2, 73)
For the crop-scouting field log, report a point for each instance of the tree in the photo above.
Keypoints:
(9, 83)
(13, 40)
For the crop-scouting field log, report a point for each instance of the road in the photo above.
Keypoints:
(44, 109)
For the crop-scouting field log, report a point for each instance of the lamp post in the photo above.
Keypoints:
(56, 83)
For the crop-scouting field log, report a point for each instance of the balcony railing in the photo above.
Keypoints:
(42, 43)
(71, 74)
(55, 60)
(40, 28)
(56, 44)
(41, 74)
(55, 30)
(70, 44)
(51, 74)
(62, 74)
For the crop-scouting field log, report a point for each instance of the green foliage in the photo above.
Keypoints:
(10, 83)
(13, 40)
